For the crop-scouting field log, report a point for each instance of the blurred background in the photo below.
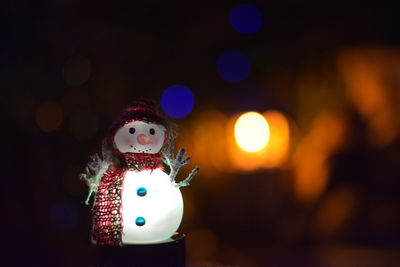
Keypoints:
(310, 177)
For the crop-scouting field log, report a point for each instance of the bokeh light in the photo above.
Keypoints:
(311, 172)
(374, 100)
(77, 70)
(49, 116)
(311, 158)
(225, 156)
(64, 215)
(279, 139)
(273, 155)
(177, 101)
(252, 132)
(334, 211)
(233, 66)
(83, 124)
(208, 126)
(246, 19)
(212, 159)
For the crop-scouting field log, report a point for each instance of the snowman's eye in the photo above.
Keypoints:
(152, 131)
(132, 130)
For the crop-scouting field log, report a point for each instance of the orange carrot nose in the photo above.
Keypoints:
(145, 140)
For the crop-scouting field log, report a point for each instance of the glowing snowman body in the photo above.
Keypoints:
(135, 201)
(152, 207)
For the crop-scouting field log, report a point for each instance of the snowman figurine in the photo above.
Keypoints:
(135, 200)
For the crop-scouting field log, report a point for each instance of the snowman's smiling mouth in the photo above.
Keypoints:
(141, 150)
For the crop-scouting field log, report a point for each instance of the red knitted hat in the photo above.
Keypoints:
(139, 110)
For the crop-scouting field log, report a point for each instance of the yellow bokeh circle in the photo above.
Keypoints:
(251, 132)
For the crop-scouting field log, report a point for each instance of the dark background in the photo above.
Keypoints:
(311, 61)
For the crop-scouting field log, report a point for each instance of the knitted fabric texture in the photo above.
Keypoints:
(107, 217)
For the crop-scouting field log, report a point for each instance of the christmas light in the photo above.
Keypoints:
(135, 200)
(251, 132)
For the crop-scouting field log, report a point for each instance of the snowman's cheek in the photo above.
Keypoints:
(158, 144)
(127, 141)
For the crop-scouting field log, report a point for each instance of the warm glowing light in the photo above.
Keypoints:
(311, 158)
(212, 159)
(369, 88)
(272, 155)
(311, 174)
(278, 147)
(251, 132)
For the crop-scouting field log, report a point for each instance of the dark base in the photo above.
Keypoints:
(168, 254)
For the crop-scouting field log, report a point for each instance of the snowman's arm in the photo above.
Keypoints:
(93, 183)
(187, 180)
(93, 173)
(176, 164)
(91, 192)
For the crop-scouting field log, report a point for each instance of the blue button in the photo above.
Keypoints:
(141, 191)
(140, 221)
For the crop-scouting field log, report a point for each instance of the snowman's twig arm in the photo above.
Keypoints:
(91, 192)
(93, 183)
(186, 182)
(94, 171)
(175, 164)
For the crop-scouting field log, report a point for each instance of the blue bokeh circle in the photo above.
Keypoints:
(233, 66)
(177, 101)
(246, 19)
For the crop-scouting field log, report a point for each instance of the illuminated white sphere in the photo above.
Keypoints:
(152, 207)
(251, 132)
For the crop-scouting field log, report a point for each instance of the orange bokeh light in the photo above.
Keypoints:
(279, 140)
(370, 76)
(210, 133)
(207, 138)
(311, 158)
(49, 116)
(334, 211)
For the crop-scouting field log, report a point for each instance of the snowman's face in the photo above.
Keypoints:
(140, 137)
